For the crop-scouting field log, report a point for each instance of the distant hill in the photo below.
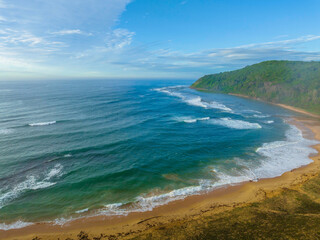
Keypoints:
(293, 83)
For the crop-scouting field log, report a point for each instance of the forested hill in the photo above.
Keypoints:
(292, 83)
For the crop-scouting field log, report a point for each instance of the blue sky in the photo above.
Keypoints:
(59, 39)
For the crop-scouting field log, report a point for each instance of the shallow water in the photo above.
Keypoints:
(74, 148)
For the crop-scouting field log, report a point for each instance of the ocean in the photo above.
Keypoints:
(70, 149)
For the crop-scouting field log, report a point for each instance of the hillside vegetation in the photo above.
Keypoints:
(294, 83)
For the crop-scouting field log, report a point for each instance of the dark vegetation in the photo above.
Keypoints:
(293, 83)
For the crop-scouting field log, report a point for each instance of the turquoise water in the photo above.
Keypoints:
(76, 148)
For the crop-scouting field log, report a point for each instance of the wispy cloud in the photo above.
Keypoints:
(70, 32)
(13, 38)
(119, 38)
(287, 42)
(35, 34)
(213, 60)
(2, 19)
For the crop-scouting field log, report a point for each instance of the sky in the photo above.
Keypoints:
(153, 39)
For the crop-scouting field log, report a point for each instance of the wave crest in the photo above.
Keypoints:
(235, 124)
(15, 225)
(31, 183)
(192, 99)
(42, 124)
(5, 131)
(190, 119)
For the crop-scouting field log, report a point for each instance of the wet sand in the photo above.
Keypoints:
(217, 201)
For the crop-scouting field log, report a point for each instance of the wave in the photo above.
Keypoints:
(82, 210)
(31, 183)
(235, 124)
(260, 115)
(192, 100)
(269, 122)
(6, 131)
(283, 156)
(42, 124)
(252, 111)
(275, 159)
(15, 225)
(143, 204)
(190, 119)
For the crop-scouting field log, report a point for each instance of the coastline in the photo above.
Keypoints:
(295, 109)
(216, 201)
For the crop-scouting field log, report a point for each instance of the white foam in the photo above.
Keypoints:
(42, 124)
(31, 183)
(6, 131)
(235, 124)
(283, 156)
(114, 209)
(83, 210)
(269, 122)
(190, 119)
(217, 105)
(192, 99)
(170, 91)
(252, 111)
(260, 115)
(67, 155)
(15, 225)
(54, 172)
(197, 101)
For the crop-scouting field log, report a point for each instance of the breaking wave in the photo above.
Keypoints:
(15, 225)
(283, 156)
(42, 124)
(6, 131)
(192, 99)
(235, 124)
(190, 119)
(31, 183)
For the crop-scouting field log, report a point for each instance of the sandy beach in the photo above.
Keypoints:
(194, 207)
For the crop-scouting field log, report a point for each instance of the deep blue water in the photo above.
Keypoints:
(74, 148)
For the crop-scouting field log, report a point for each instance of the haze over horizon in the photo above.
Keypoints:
(60, 39)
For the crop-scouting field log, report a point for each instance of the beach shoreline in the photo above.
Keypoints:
(294, 109)
(215, 201)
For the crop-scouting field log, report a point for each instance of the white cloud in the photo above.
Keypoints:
(2, 19)
(12, 38)
(2, 4)
(212, 60)
(119, 38)
(70, 32)
(294, 41)
(32, 32)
